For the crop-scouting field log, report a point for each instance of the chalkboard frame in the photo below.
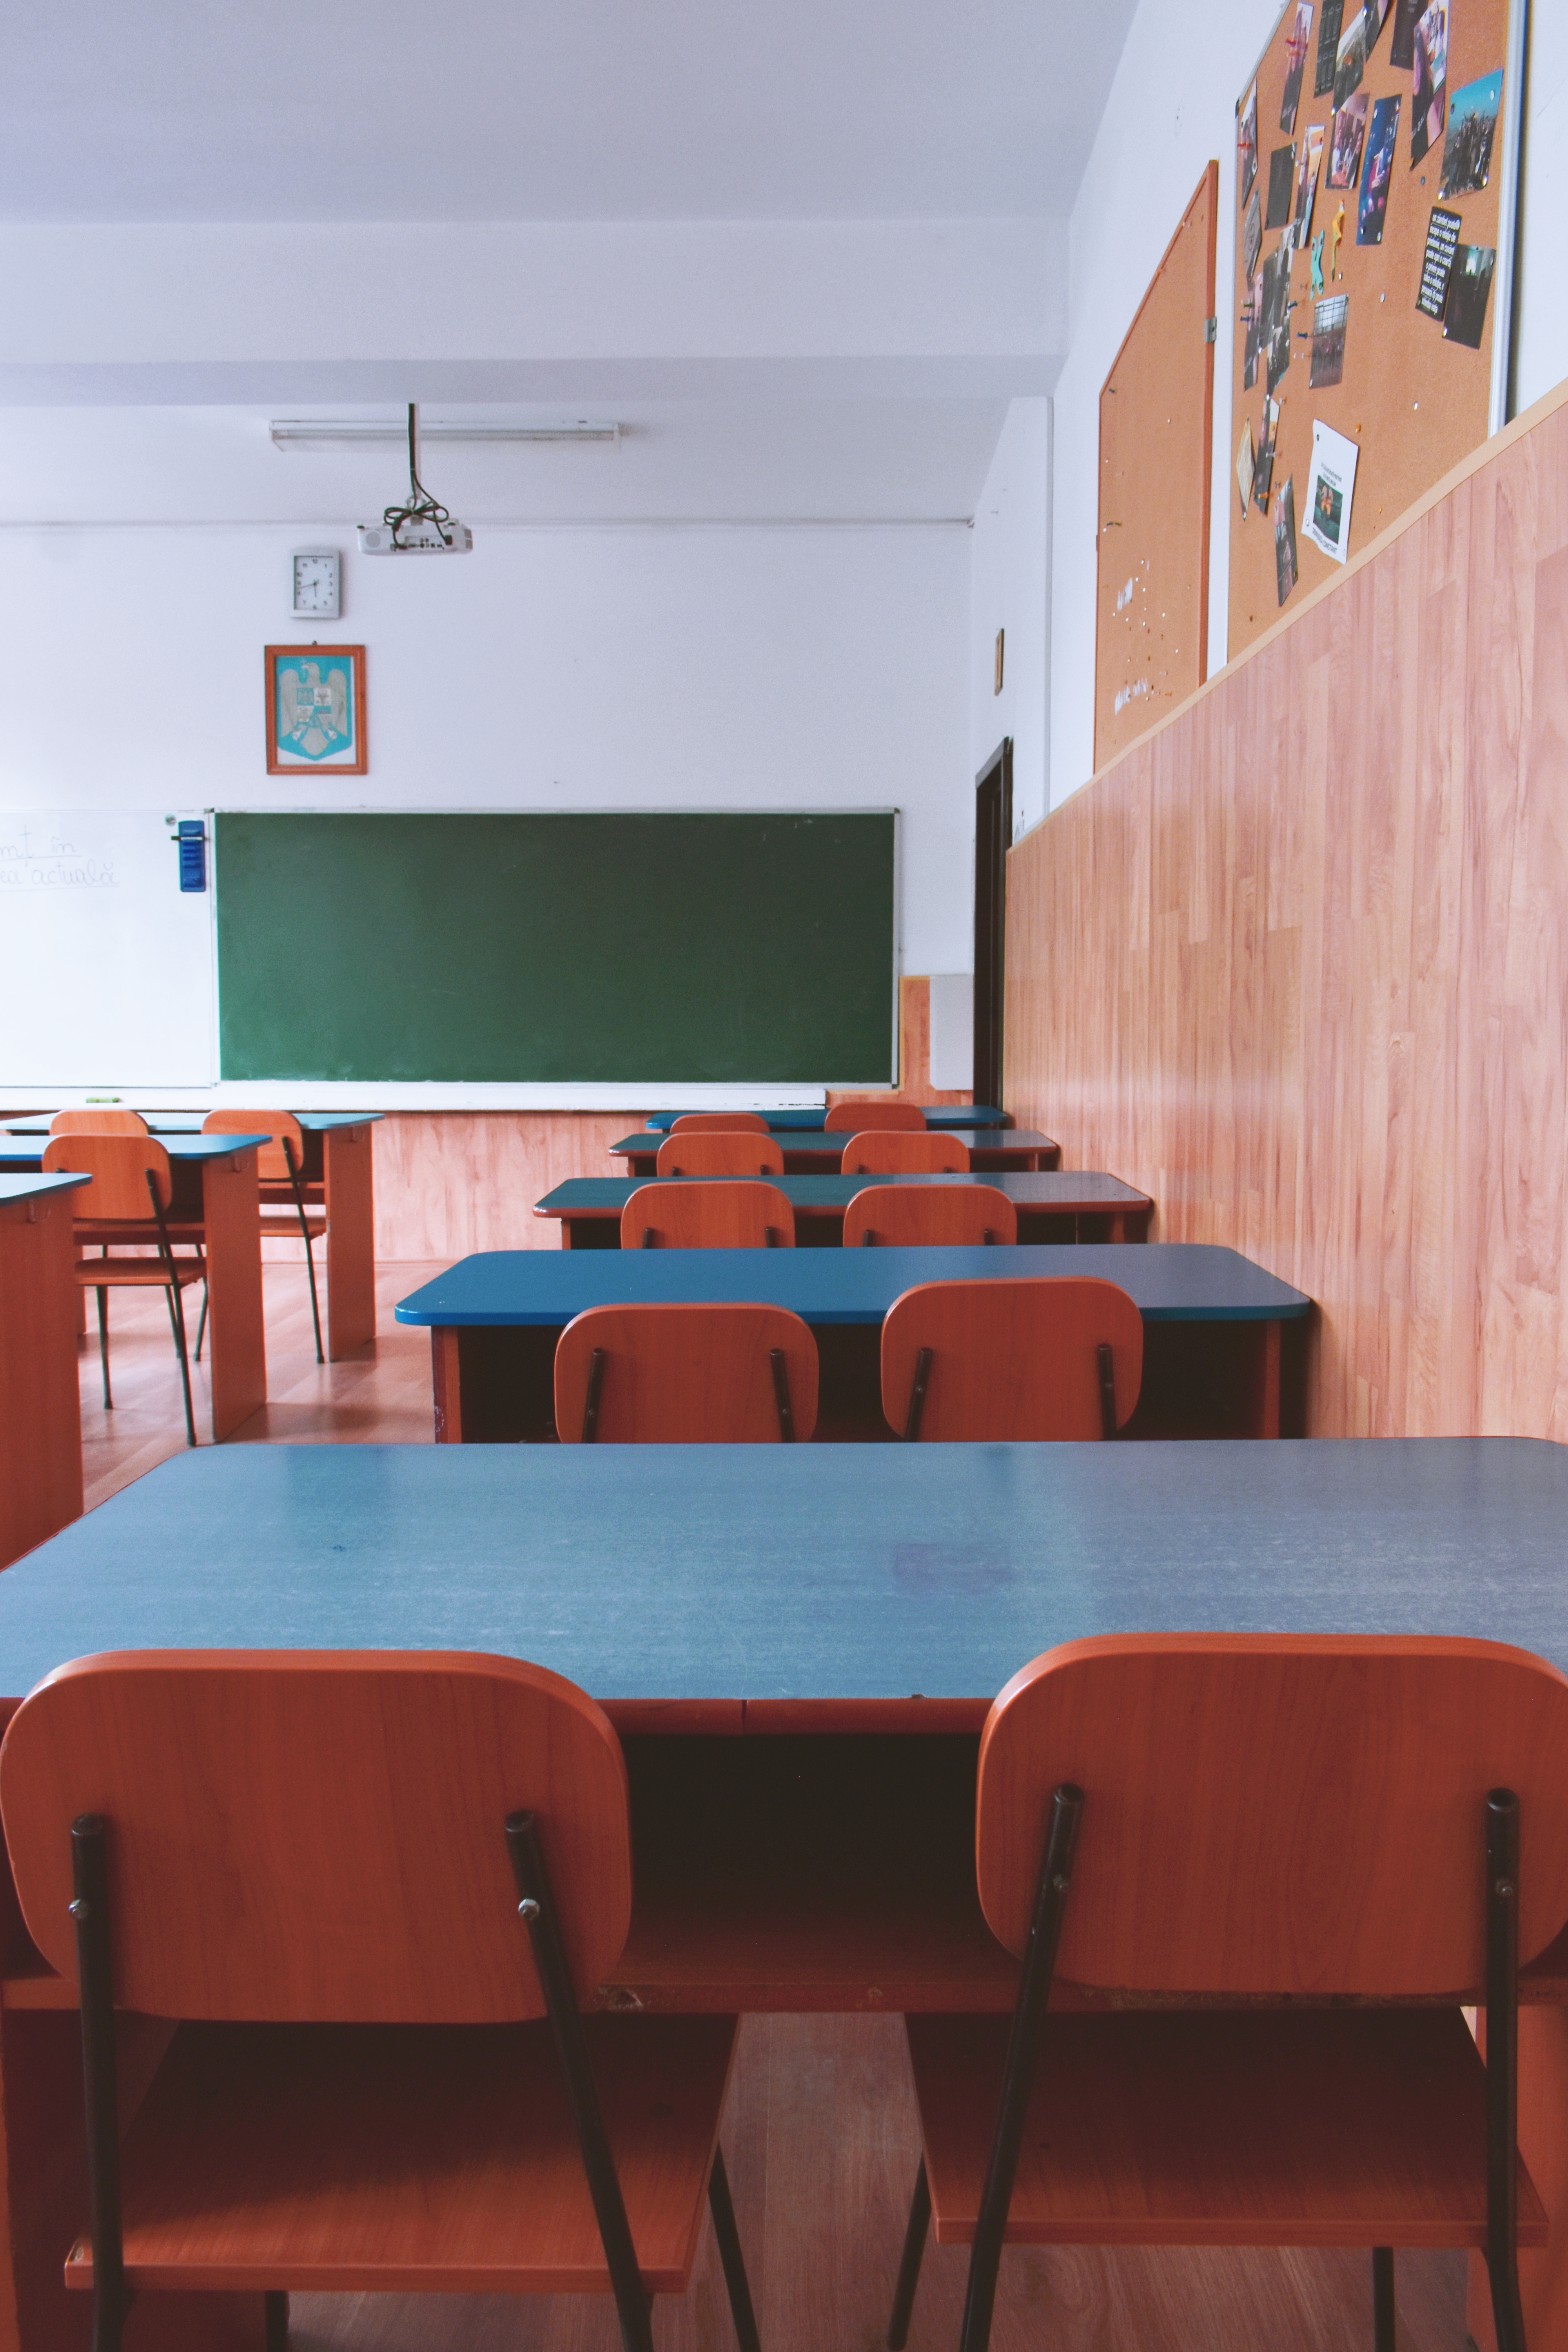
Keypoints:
(477, 948)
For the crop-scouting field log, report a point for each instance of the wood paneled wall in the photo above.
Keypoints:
(449, 1183)
(1297, 963)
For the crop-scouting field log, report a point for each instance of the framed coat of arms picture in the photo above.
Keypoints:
(315, 710)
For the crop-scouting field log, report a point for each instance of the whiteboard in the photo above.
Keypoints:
(106, 965)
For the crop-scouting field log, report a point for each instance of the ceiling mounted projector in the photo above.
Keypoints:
(422, 527)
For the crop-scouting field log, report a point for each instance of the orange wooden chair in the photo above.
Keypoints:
(280, 1176)
(1016, 1360)
(853, 1118)
(99, 1122)
(382, 2076)
(1253, 1819)
(719, 1122)
(735, 1151)
(912, 1217)
(877, 1151)
(723, 1374)
(714, 1216)
(128, 1207)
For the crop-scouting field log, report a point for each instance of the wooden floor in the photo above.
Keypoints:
(819, 2132)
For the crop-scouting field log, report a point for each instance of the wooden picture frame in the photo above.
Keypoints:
(315, 710)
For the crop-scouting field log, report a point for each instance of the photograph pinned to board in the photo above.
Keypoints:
(1377, 14)
(1330, 319)
(1438, 261)
(1429, 72)
(1350, 64)
(1348, 138)
(1246, 464)
(1251, 238)
(1274, 328)
(1252, 318)
(1286, 569)
(1282, 186)
(1328, 26)
(1402, 41)
(1331, 487)
(1472, 124)
(1267, 443)
(1246, 145)
(1297, 43)
(1470, 283)
(1307, 186)
(1380, 142)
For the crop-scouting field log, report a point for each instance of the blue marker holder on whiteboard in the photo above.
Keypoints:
(190, 839)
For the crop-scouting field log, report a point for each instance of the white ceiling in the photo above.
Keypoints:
(805, 252)
(582, 110)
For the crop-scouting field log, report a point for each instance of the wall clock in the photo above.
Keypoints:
(316, 583)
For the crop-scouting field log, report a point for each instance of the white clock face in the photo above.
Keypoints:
(315, 585)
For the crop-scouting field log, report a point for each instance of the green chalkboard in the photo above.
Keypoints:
(675, 950)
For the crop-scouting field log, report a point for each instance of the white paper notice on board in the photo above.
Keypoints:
(1331, 485)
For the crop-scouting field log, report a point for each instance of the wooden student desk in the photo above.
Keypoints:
(1212, 1356)
(814, 1154)
(1052, 1206)
(40, 1409)
(214, 1177)
(786, 1122)
(339, 1165)
(755, 1620)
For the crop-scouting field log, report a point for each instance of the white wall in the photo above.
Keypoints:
(1171, 107)
(649, 667)
(1009, 577)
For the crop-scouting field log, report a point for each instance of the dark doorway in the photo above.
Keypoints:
(993, 837)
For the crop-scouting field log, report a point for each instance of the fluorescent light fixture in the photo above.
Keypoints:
(302, 433)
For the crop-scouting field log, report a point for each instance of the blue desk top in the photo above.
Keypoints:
(189, 1122)
(830, 1148)
(1172, 1282)
(16, 1154)
(787, 1122)
(811, 1572)
(1049, 1189)
(30, 1188)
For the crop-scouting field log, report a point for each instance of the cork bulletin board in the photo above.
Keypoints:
(1156, 430)
(1373, 187)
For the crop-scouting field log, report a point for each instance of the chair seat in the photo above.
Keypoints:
(273, 1195)
(1307, 2127)
(116, 1273)
(286, 1228)
(345, 2158)
(137, 1236)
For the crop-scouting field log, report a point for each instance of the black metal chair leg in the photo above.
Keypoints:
(104, 1345)
(276, 2308)
(202, 1326)
(178, 1317)
(730, 2256)
(1383, 2298)
(910, 2263)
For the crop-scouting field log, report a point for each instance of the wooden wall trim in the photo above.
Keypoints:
(1297, 963)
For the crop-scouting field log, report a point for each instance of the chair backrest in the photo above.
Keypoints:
(734, 1152)
(97, 1122)
(852, 1118)
(686, 1375)
(1012, 1358)
(892, 1152)
(711, 1216)
(118, 1165)
(271, 1162)
(319, 1834)
(1277, 1813)
(719, 1122)
(913, 1215)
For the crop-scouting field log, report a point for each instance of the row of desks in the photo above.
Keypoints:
(1214, 1323)
(806, 1153)
(588, 1208)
